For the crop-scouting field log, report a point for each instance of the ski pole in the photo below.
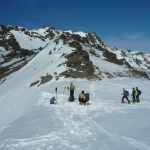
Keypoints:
(64, 90)
(56, 93)
(68, 90)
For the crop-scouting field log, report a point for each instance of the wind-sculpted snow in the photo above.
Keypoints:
(104, 123)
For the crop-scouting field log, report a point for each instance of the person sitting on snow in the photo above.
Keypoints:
(82, 98)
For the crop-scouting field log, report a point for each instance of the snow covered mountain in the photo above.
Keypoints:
(79, 54)
(33, 63)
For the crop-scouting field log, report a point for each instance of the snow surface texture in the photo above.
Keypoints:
(29, 122)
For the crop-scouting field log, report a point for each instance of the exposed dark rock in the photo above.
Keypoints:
(76, 37)
(138, 62)
(46, 78)
(61, 37)
(7, 70)
(79, 64)
(90, 38)
(75, 45)
(137, 73)
(34, 83)
(127, 64)
(94, 53)
(111, 57)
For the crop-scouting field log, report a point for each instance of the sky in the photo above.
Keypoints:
(124, 24)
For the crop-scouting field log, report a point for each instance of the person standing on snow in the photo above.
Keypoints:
(125, 95)
(133, 95)
(137, 93)
(72, 88)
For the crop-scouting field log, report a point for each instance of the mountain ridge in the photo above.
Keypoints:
(77, 52)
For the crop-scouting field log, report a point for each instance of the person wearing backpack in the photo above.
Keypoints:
(82, 98)
(133, 95)
(138, 92)
(125, 95)
(72, 88)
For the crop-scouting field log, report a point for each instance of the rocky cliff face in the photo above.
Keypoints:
(19, 45)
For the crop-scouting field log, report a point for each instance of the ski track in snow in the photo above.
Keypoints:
(133, 142)
(79, 128)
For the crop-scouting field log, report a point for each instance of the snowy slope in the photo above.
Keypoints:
(29, 122)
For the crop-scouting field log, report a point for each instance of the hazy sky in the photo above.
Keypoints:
(124, 24)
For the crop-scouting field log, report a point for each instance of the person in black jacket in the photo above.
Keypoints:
(133, 95)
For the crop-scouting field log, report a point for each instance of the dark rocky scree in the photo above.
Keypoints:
(44, 79)
(7, 70)
(111, 57)
(90, 39)
(79, 63)
(133, 73)
(137, 73)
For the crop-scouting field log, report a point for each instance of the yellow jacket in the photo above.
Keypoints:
(82, 96)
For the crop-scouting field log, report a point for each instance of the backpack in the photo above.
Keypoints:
(126, 93)
(52, 100)
(87, 97)
(139, 92)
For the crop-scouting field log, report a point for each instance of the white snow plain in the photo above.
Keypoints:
(29, 122)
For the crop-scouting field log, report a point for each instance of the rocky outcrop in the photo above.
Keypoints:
(79, 64)
(44, 79)
(111, 57)
(76, 45)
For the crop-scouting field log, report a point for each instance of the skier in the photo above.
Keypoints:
(72, 88)
(125, 95)
(82, 98)
(137, 93)
(133, 95)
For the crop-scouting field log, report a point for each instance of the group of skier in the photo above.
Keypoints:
(82, 97)
(135, 95)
